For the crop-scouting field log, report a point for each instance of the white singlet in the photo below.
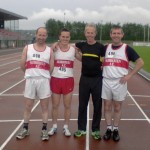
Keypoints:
(116, 63)
(37, 63)
(63, 63)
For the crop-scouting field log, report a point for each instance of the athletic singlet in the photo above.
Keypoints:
(37, 63)
(63, 63)
(116, 63)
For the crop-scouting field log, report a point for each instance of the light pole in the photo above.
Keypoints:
(101, 29)
(148, 34)
(144, 33)
(64, 19)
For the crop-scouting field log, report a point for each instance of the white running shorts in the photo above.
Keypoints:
(113, 90)
(38, 87)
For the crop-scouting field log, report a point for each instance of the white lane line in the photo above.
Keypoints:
(9, 63)
(15, 94)
(87, 130)
(139, 107)
(75, 94)
(11, 87)
(9, 71)
(37, 120)
(144, 96)
(8, 54)
(9, 58)
(17, 128)
(11, 95)
(141, 74)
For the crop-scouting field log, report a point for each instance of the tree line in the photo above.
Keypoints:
(133, 31)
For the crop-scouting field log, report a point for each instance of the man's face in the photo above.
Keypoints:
(41, 36)
(116, 36)
(90, 34)
(64, 37)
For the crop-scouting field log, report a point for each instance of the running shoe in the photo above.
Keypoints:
(66, 132)
(116, 136)
(96, 135)
(52, 131)
(44, 135)
(79, 133)
(107, 134)
(22, 134)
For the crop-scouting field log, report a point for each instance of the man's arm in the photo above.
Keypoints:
(55, 46)
(51, 61)
(138, 65)
(23, 59)
(78, 54)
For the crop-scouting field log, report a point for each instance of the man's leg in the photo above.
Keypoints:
(108, 105)
(44, 105)
(27, 113)
(67, 112)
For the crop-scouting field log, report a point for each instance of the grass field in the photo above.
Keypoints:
(144, 52)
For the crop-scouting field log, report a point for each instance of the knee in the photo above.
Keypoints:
(107, 108)
(55, 106)
(28, 107)
(67, 107)
(117, 109)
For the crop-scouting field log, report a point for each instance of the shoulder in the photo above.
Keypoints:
(129, 49)
(72, 47)
(99, 45)
(30, 45)
(80, 44)
(131, 53)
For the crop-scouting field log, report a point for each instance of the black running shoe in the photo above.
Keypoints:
(107, 134)
(116, 136)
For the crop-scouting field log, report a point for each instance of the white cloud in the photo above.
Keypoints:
(114, 14)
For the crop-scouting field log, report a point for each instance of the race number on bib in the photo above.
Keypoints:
(62, 70)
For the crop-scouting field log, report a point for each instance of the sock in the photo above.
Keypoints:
(65, 126)
(109, 127)
(25, 125)
(54, 125)
(44, 126)
(115, 128)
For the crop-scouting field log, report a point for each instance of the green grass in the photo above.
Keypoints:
(144, 52)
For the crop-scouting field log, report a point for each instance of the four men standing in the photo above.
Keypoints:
(37, 63)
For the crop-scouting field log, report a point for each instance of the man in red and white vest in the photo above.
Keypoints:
(115, 77)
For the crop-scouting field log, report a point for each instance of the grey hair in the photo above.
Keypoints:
(90, 25)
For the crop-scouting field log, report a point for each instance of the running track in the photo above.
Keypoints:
(134, 126)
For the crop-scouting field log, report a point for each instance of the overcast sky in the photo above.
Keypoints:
(115, 11)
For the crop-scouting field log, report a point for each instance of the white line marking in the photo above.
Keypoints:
(11, 95)
(11, 87)
(37, 120)
(22, 94)
(8, 54)
(9, 58)
(9, 71)
(75, 94)
(147, 96)
(87, 129)
(142, 75)
(17, 128)
(139, 108)
(9, 63)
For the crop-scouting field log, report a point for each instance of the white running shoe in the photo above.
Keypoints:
(22, 134)
(66, 132)
(52, 131)
(44, 135)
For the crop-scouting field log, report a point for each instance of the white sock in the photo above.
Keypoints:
(65, 126)
(109, 127)
(115, 128)
(54, 125)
